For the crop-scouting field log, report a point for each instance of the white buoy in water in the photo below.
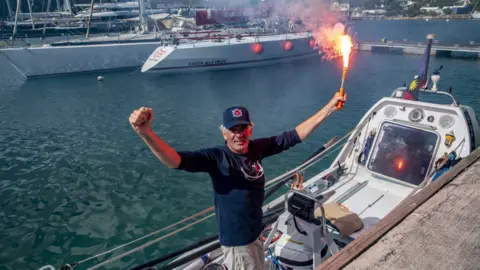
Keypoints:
(100, 78)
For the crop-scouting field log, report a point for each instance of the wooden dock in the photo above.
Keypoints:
(437, 228)
(470, 51)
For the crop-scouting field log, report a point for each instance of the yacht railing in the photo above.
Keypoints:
(404, 89)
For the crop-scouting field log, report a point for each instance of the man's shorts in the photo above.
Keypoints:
(249, 257)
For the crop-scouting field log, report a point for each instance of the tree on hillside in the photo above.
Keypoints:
(373, 4)
(413, 10)
(443, 3)
(393, 7)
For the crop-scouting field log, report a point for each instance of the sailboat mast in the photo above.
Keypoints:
(474, 6)
(16, 18)
(89, 19)
(9, 7)
(30, 11)
(68, 7)
(141, 4)
(49, 2)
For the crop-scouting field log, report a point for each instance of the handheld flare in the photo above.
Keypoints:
(345, 49)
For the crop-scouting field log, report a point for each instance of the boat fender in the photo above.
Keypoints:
(288, 45)
(257, 48)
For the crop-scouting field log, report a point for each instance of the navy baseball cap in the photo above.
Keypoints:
(236, 115)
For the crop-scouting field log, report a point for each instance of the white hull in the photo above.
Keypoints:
(235, 54)
(48, 61)
(201, 56)
(371, 191)
(476, 15)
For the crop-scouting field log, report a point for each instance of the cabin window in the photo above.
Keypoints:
(403, 153)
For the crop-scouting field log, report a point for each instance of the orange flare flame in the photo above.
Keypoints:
(345, 49)
(400, 164)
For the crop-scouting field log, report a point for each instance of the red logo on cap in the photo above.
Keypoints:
(237, 113)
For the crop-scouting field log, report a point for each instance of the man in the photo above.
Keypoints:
(237, 175)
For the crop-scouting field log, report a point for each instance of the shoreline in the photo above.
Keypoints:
(423, 17)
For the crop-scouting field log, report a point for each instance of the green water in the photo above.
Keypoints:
(75, 180)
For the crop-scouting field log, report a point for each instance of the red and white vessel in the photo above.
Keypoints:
(231, 52)
(194, 51)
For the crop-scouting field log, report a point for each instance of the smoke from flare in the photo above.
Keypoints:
(318, 17)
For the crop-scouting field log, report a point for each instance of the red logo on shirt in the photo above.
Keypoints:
(237, 113)
(256, 167)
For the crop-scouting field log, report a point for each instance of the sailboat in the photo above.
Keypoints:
(401, 145)
(230, 53)
(227, 47)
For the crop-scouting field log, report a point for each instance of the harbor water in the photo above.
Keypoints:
(75, 180)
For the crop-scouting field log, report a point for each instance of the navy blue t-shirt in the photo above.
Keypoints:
(238, 200)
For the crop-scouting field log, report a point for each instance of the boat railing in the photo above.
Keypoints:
(396, 92)
(165, 37)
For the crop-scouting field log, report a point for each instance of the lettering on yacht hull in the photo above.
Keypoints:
(207, 63)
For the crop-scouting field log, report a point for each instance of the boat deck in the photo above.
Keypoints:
(437, 228)
(185, 43)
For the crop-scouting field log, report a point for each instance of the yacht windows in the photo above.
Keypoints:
(403, 153)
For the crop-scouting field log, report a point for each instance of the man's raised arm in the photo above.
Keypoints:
(308, 126)
(141, 121)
